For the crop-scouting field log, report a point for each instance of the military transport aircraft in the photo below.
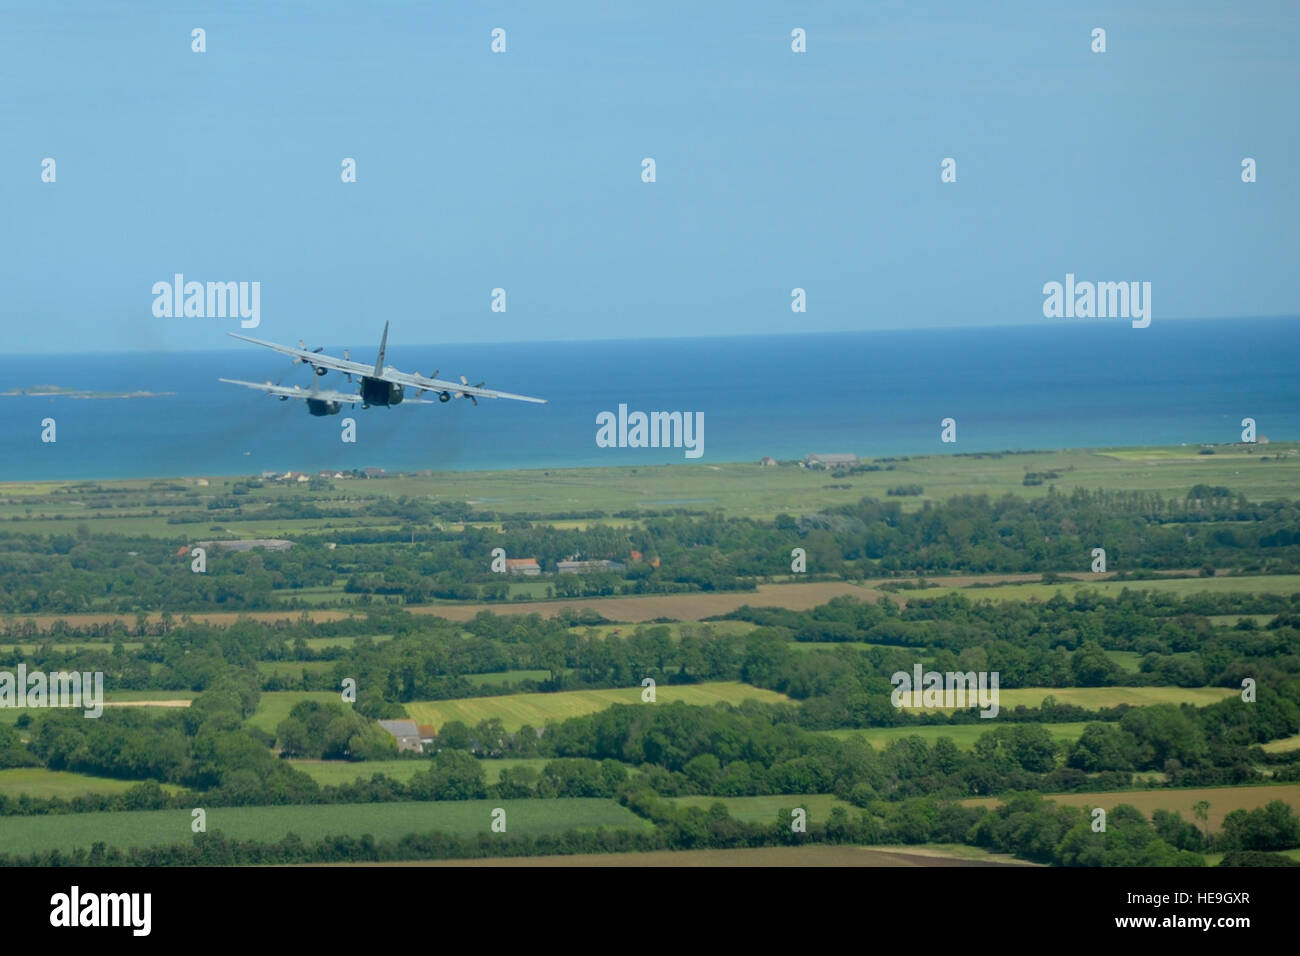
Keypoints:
(326, 402)
(383, 384)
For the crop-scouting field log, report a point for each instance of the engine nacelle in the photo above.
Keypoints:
(444, 396)
(319, 370)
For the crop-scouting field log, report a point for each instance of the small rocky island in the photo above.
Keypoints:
(58, 391)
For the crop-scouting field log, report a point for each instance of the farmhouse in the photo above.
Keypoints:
(406, 732)
(767, 460)
(586, 567)
(269, 544)
(528, 566)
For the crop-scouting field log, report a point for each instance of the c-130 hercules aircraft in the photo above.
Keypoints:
(319, 402)
(382, 384)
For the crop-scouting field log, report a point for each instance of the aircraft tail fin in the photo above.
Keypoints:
(383, 347)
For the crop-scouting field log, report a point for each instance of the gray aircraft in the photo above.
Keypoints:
(382, 384)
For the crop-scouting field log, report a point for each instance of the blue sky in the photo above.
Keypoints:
(522, 170)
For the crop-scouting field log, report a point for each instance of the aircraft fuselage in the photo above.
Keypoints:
(376, 391)
(319, 407)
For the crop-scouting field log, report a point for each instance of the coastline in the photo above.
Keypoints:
(1185, 452)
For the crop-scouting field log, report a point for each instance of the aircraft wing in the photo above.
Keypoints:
(314, 358)
(293, 391)
(389, 373)
(437, 385)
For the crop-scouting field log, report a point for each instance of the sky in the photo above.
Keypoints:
(522, 170)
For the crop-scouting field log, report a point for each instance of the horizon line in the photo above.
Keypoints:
(1069, 323)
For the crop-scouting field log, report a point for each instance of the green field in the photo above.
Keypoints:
(1094, 698)
(1128, 661)
(1230, 620)
(743, 488)
(1283, 584)
(11, 650)
(273, 706)
(963, 735)
(764, 809)
(1222, 800)
(749, 488)
(1213, 859)
(9, 715)
(861, 646)
(739, 489)
(383, 821)
(316, 643)
(1283, 744)
(515, 710)
(333, 773)
(809, 854)
(42, 783)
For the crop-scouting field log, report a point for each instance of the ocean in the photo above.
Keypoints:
(1057, 385)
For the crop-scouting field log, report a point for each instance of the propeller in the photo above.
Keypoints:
(465, 381)
(298, 359)
(283, 398)
(423, 390)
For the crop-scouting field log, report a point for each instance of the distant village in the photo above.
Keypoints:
(575, 564)
(302, 476)
(815, 461)
(827, 461)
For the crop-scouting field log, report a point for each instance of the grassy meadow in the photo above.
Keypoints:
(1222, 800)
(963, 735)
(334, 773)
(42, 783)
(765, 809)
(273, 706)
(1094, 698)
(739, 488)
(516, 710)
(383, 821)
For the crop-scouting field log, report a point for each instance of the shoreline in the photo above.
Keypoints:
(1269, 447)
